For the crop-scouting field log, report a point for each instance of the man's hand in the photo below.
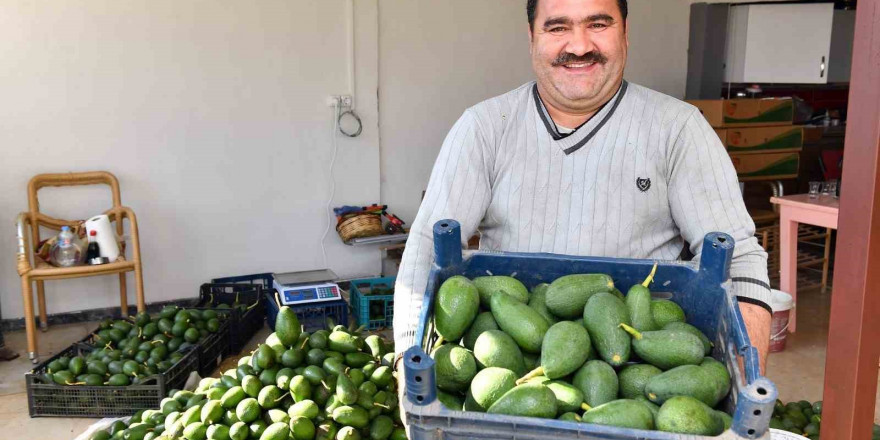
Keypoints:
(757, 321)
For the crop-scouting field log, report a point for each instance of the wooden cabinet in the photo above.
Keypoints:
(779, 43)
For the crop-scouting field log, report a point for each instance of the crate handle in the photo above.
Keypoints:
(447, 243)
(418, 370)
(715, 257)
(754, 407)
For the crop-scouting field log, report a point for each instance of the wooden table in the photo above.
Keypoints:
(799, 208)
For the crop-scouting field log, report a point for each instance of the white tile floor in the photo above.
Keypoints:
(798, 371)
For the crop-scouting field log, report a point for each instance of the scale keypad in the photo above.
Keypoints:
(311, 294)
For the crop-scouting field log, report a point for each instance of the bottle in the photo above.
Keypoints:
(93, 251)
(67, 252)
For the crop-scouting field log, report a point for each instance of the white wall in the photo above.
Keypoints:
(213, 117)
(438, 58)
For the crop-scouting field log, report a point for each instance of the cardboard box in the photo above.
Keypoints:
(766, 166)
(764, 139)
(725, 113)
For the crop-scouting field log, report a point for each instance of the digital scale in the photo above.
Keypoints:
(310, 286)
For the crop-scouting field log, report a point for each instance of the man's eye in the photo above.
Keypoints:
(557, 30)
(598, 26)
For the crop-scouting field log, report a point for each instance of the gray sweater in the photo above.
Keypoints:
(645, 177)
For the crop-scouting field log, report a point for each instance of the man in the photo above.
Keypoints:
(581, 162)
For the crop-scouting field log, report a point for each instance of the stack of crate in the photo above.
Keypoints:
(759, 135)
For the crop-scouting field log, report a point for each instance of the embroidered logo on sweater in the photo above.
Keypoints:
(643, 184)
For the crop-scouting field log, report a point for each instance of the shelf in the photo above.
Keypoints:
(379, 239)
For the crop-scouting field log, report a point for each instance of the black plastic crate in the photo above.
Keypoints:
(312, 316)
(215, 346)
(246, 323)
(53, 400)
(264, 280)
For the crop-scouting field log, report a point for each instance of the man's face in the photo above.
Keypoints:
(578, 50)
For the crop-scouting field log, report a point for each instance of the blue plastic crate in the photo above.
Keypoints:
(372, 311)
(701, 290)
(312, 316)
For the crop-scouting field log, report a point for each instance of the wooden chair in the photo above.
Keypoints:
(40, 270)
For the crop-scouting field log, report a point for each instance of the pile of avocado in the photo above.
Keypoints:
(126, 351)
(802, 418)
(296, 386)
(577, 350)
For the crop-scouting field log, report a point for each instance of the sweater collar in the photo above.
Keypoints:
(571, 142)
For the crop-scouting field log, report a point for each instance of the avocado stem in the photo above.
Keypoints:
(380, 405)
(277, 302)
(650, 278)
(635, 333)
(532, 374)
(586, 407)
(325, 385)
(282, 397)
(304, 344)
(439, 341)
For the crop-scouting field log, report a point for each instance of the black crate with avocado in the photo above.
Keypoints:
(341, 401)
(579, 351)
(804, 418)
(127, 351)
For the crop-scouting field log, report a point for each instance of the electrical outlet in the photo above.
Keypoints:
(344, 101)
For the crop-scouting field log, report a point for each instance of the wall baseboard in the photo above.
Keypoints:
(17, 324)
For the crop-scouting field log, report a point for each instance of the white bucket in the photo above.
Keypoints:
(781, 303)
(778, 434)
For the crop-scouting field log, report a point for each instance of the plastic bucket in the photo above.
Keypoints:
(778, 434)
(781, 304)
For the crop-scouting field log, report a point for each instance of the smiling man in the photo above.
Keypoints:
(581, 162)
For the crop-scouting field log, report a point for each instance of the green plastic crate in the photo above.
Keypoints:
(372, 301)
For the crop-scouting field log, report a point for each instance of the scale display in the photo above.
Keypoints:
(307, 287)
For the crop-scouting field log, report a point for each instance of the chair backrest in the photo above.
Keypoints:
(830, 161)
(67, 179)
(71, 179)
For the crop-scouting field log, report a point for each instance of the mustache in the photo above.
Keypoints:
(589, 57)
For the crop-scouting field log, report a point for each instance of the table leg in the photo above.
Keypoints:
(788, 261)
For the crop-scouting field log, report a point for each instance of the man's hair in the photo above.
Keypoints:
(532, 4)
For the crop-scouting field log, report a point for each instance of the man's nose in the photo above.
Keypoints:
(580, 42)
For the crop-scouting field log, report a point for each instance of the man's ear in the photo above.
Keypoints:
(531, 37)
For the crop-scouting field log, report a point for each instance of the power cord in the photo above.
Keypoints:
(356, 118)
(336, 117)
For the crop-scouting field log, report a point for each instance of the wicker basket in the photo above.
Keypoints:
(360, 225)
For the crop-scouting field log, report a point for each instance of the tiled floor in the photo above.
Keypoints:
(798, 371)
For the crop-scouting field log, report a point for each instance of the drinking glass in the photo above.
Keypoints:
(814, 189)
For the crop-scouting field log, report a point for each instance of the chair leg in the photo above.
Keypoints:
(41, 304)
(29, 324)
(123, 295)
(827, 261)
(139, 288)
